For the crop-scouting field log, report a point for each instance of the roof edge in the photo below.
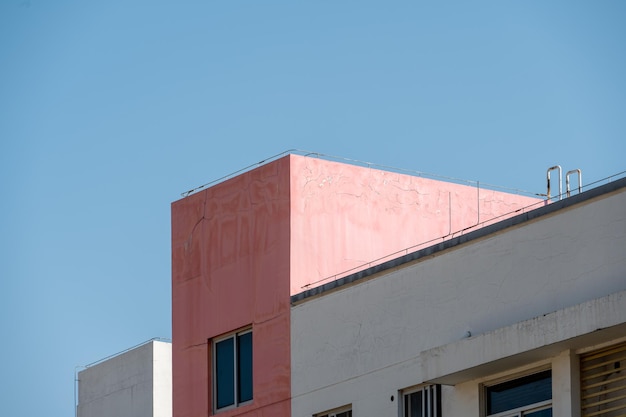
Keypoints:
(551, 208)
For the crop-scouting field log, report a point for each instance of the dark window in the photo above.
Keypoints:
(523, 395)
(225, 372)
(422, 402)
(244, 374)
(233, 370)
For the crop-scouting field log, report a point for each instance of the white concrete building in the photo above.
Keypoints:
(134, 383)
(523, 317)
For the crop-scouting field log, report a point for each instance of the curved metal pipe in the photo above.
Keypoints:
(560, 181)
(580, 181)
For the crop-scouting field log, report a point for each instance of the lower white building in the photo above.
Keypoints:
(526, 317)
(134, 383)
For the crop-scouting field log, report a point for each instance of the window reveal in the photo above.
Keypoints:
(232, 364)
(423, 402)
(530, 396)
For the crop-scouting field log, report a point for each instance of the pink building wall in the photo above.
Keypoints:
(230, 269)
(345, 216)
(242, 247)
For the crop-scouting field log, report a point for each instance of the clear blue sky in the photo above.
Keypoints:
(110, 109)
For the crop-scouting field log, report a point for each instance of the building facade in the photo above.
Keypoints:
(134, 383)
(523, 317)
(275, 270)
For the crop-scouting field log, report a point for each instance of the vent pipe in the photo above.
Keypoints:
(560, 181)
(580, 181)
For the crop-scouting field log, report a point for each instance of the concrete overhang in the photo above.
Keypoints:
(590, 323)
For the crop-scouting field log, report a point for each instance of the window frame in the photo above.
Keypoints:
(518, 411)
(524, 410)
(235, 336)
(430, 393)
(336, 411)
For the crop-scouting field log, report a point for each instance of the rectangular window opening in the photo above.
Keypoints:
(530, 395)
(232, 370)
(424, 401)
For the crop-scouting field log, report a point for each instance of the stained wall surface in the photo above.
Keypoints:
(242, 247)
(362, 343)
(230, 270)
(343, 216)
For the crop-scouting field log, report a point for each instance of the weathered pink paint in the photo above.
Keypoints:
(344, 217)
(230, 269)
(242, 247)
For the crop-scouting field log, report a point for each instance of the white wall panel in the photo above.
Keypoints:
(363, 341)
(136, 383)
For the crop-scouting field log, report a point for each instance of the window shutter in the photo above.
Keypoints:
(603, 382)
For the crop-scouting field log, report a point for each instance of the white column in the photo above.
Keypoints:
(566, 385)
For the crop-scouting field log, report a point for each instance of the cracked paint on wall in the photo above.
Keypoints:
(242, 247)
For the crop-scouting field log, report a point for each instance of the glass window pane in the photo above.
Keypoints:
(225, 373)
(541, 413)
(244, 361)
(413, 404)
(519, 392)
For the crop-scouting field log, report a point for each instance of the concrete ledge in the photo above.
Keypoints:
(592, 322)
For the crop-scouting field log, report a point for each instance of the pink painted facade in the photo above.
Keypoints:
(242, 247)
(230, 269)
(343, 216)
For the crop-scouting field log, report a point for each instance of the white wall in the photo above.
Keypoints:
(136, 383)
(362, 343)
(162, 379)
